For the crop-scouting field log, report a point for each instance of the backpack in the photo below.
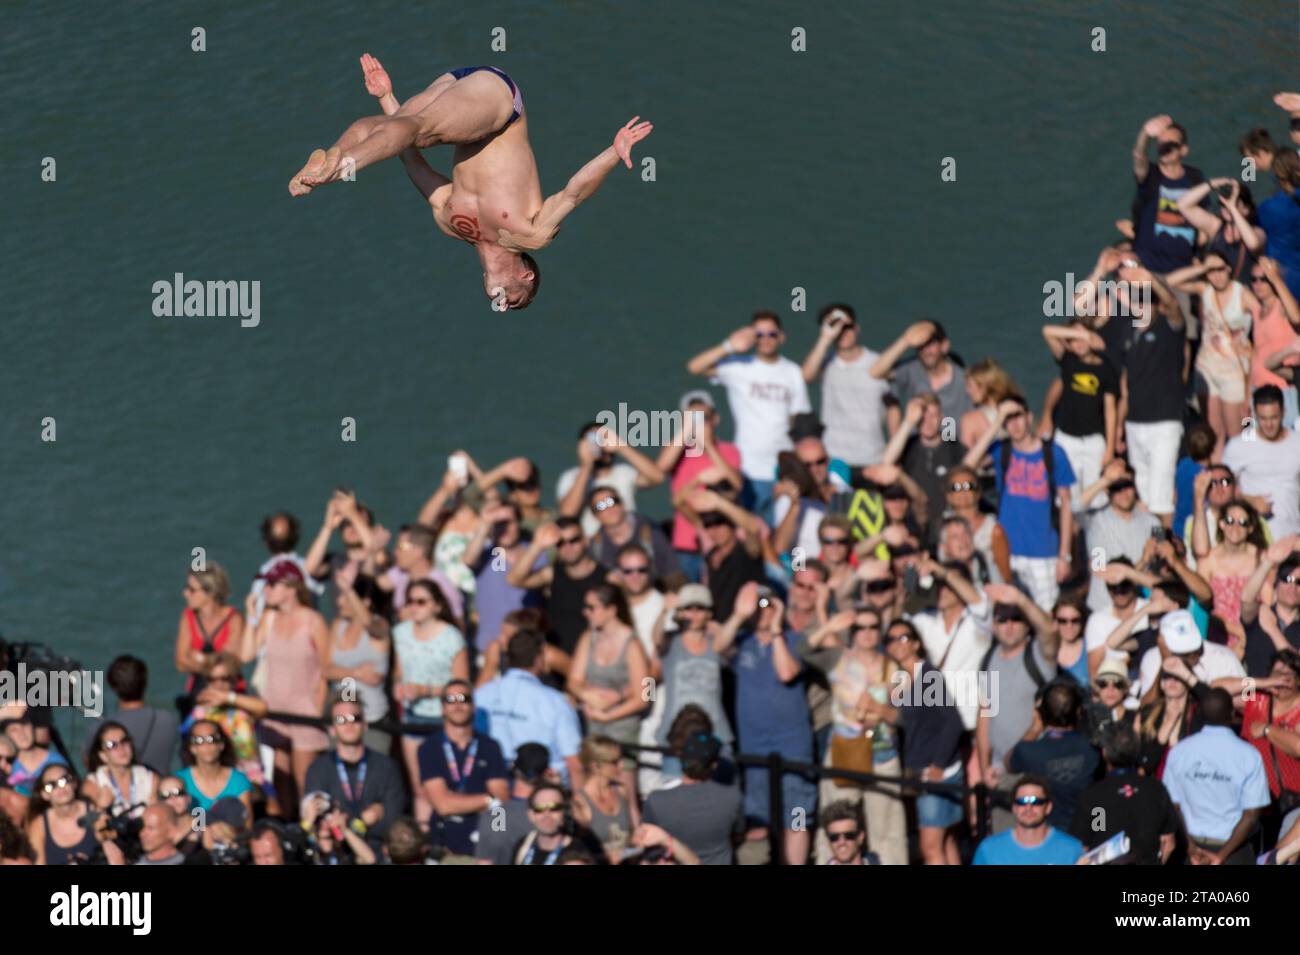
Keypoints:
(1049, 465)
(1031, 665)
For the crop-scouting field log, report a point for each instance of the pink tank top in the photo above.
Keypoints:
(1272, 332)
(293, 673)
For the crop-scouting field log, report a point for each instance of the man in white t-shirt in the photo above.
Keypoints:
(853, 399)
(1208, 661)
(764, 390)
(1266, 460)
(1120, 581)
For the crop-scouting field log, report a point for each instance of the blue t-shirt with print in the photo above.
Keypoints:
(1025, 510)
(1058, 848)
(770, 715)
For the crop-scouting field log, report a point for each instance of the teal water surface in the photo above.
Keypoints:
(775, 170)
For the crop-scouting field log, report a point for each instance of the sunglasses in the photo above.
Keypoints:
(457, 698)
(1124, 586)
(868, 627)
(767, 334)
(347, 718)
(834, 541)
(816, 462)
(1008, 616)
(880, 586)
(1111, 684)
(170, 793)
(1031, 800)
(1222, 482)
(200, 740)
(1235, 521)
(1124, 485)
(605, 503)
(62, 782)
(566, 541)
(111, 744)
(842, 836)
(1069, 621)
(639, 569)
(1290, 579)
(1168, 147)
(957, 486)
(1258, 278)
(897, 638)
(548, 807)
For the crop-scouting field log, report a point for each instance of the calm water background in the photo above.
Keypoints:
(775, 170)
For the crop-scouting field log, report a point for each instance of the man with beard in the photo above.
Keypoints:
(462, 772)
(1031, 841)
(568, 578)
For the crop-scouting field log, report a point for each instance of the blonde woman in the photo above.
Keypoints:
(208, 626)
(987, 385)
(603, 804)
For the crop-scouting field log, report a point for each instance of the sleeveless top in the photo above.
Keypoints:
(850, 679)
(613, 677)
(612, 831)
(427, 662)
(140, 789)
(1272, 332)
(1225, 330)
(1078, 669)
(293, 671)
(374, 701)
(202, 641)
(691, 678)
(56, 854)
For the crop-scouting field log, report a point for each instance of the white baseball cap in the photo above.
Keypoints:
(1180, 633)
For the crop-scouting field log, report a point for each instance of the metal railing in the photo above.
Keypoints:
(777, 767)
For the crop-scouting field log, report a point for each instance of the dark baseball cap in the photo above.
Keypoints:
(701, 749)
(532, 760)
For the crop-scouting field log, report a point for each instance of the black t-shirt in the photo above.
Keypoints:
(1082, 409)
(1154, 362)
(564, 608)
(1258, 659)
(1138, 806)
(1164, 238)
(929, 468)
(726, 578)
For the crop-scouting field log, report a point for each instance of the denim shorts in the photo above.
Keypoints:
(797, 792)
(940, 810)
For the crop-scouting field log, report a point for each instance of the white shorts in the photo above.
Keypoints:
(1153, 452)
(1085, 454)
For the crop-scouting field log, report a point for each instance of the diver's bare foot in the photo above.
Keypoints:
(328, 172)
(315, 162)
